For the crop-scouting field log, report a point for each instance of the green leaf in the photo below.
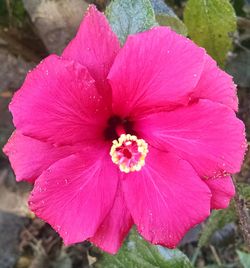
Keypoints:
(165, 16)
(244, 258)
(138, 253)
(130, 17)
(18, 10)
(217, 220)
(174, 22)
(210, 23)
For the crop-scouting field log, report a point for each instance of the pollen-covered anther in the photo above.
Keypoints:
(129, 153)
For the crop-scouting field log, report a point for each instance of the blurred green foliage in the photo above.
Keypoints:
(244, 191)
(217, 220)
(238, 7)
(12, 13)
(239, 68)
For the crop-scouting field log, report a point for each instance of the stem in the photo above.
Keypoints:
(216, 256)
(195, 256)
(8, 5)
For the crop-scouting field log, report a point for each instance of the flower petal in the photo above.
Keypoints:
(30, 157)
(222, 191)
(166, 198)
(115, 227)
(95, 46)
(147, 74)
(58, 102)
(75, 194)
(206, 134)
(216, 85)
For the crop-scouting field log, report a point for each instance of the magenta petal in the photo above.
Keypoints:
(95, 46)
(115, 227)
(58, 102)
(222, 191)
(154, 69)
(166, 198)
(216, 85)
(206, 134)
(75, 194)
(30, 157)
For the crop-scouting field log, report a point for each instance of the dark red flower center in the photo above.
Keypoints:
(110, 133)
(127, 151)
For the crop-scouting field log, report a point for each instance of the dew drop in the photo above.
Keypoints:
(243, 146)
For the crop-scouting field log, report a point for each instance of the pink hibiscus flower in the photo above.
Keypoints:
(145, 134)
